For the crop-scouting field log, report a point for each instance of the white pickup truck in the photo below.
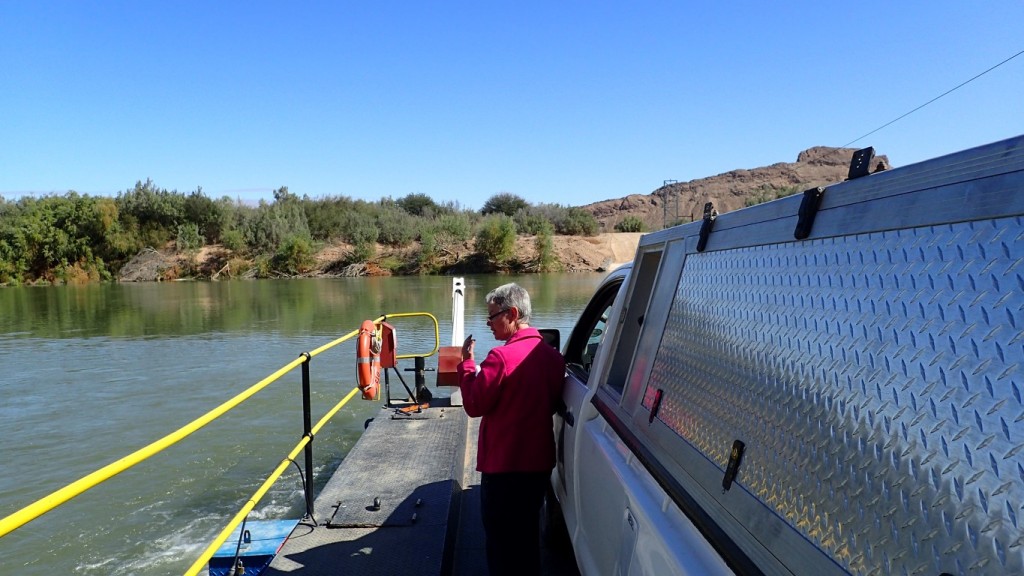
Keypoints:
(829, 383)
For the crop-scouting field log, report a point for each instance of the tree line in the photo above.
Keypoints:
(74, 238)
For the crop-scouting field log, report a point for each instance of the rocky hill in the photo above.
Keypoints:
(684, 201)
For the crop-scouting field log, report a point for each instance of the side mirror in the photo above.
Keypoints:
(552, 337)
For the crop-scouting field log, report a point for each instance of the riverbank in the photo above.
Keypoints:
(572, 254)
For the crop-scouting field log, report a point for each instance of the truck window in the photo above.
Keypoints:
(590, 332)
(634, 316)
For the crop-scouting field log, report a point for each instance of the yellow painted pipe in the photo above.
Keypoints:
(437, 332)
(55, 499)
(203, 559)
(47, 503)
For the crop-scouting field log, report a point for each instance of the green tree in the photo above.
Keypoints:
(417, 204)
(154, 212)
(209, 216)
(504, 203)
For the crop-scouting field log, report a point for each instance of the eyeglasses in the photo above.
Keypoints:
(496, 314)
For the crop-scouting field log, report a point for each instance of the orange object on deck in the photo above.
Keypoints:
(388, 346)
(448, 358)
(368, 360)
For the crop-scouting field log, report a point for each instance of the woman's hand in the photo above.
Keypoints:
(467, 348)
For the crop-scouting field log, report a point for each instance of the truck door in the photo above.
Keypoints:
(580, 352)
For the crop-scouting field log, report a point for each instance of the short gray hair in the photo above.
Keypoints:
(511, 295)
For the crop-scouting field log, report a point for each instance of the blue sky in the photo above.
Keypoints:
(560, 101)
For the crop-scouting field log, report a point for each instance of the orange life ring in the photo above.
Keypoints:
(368, 360)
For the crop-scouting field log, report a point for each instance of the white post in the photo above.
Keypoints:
(458, 325)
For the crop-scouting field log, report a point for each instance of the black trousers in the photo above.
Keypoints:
(510, 504)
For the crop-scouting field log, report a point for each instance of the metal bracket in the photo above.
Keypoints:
(705, 228)
(808, 210)
(860, 164)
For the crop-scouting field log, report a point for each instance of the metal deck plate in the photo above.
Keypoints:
(400, 461)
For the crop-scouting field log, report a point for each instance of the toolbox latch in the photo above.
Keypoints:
(733, 467)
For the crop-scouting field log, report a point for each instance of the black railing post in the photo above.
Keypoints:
(421, 380)
(307, 430)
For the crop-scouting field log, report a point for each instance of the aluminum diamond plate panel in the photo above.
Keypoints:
(877, 382)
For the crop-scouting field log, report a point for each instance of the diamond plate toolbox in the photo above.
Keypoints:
(876, 379)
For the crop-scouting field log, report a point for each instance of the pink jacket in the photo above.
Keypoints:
(516, 392)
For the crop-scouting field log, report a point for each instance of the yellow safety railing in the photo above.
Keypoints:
(55, 499)
(201, 562)
(437, 333)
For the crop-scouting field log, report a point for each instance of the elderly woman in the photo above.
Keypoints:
(515, 392)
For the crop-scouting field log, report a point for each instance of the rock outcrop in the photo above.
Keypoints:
(684, 201)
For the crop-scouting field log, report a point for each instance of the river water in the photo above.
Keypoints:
(89, 374)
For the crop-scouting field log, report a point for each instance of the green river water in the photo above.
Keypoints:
(89, 374)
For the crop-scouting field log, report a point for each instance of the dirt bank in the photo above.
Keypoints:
(574, 254)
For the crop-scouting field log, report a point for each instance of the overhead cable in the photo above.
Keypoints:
(961, 85)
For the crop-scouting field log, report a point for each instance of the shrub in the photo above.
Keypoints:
(391, 264)
(357, 228)
(326, 217)
(236, 267)
(395, 227)
(262, 266)
(295, 255)
(189, 239)
(428, 255)
(767, 193)
(544, 244)
(577, 222)
(267, 227)
(233, 240)
(496, 238)
(531, 221)
(448, 229)
(630, 223)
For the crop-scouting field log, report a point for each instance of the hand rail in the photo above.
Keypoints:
(47, 503)
(258, 495)
(437, 332)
